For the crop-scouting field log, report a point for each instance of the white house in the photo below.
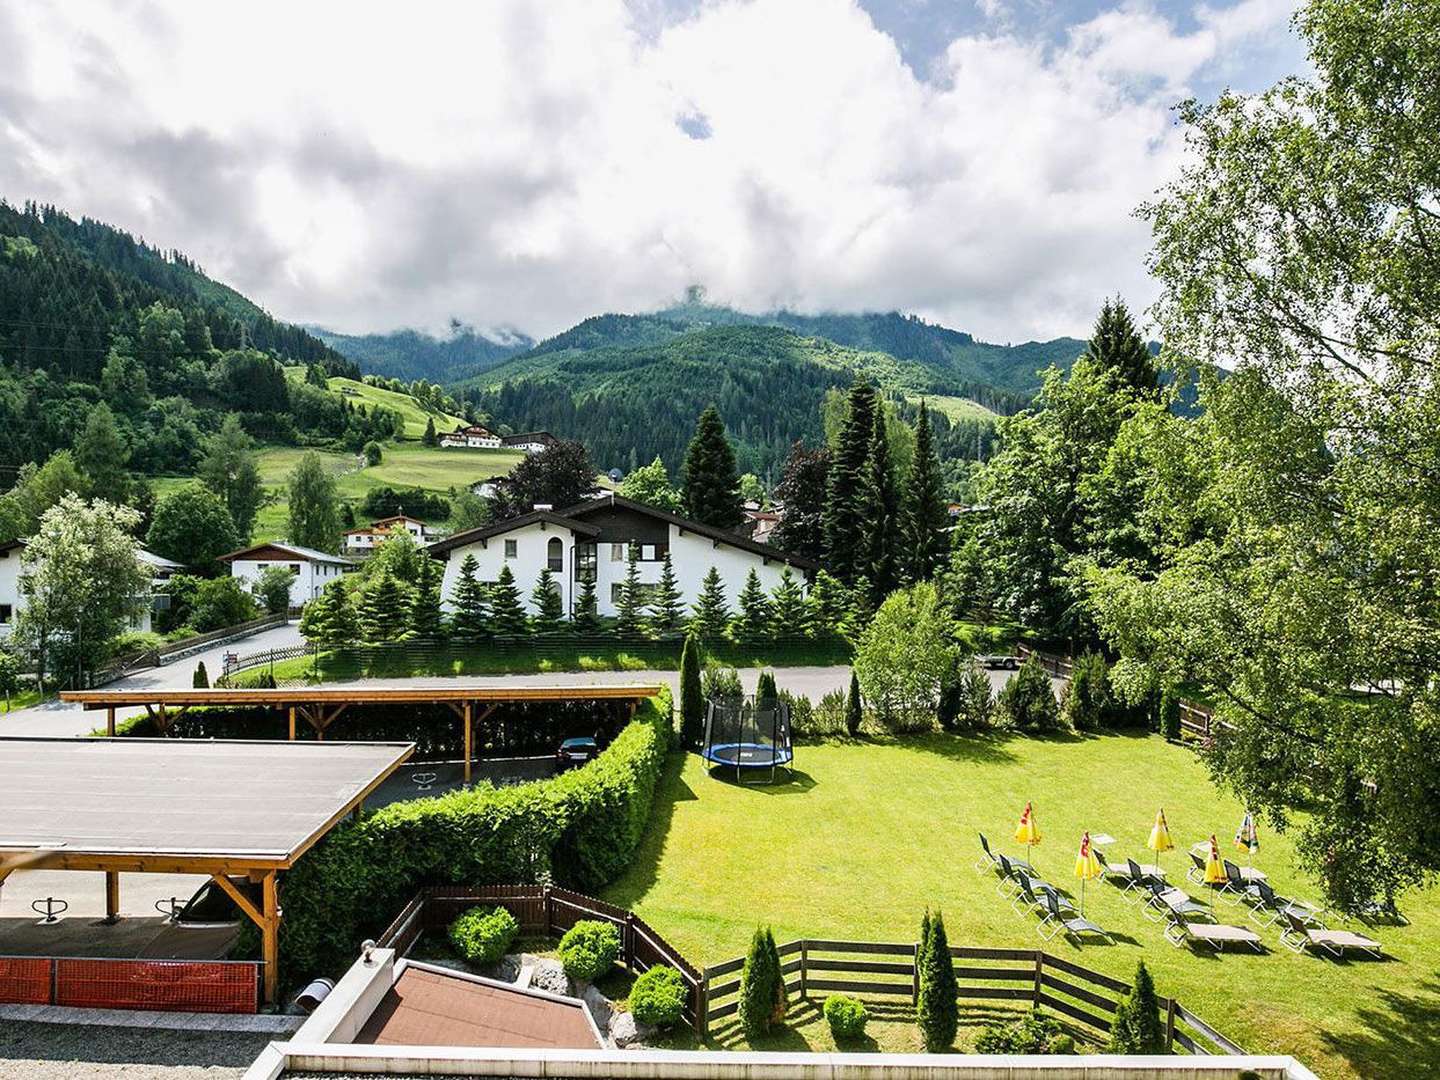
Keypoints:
(592, 540)
(359, 543)
(470, 438)
(313, 569)
(11, 600)
(532, 442)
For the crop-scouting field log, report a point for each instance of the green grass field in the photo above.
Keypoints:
(869, 833)
(959, 408)
(415, 416)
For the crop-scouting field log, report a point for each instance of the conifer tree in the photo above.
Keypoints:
(507, 613)
(383, 609)
(875, 514)
(763, 1000)
(789, 613)
(765, 688)
(471, 620)
(315, 617)
(341, 628)
(855, 714)
(841, 525)
(752, 624)
(923, 518)
(427, 620)
(314, 507)
(937, 1011)
(1117, 345)
(711, 485)
(860, 611)
(692, 699)
(586, 619)
(829, 602)
(667, 607)
(430, 438)
(1136, 1027)
(712, 610)
(549, 617)
(101, 455)
(627, 615)
(201, 681)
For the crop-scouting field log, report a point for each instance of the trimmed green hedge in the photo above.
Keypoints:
(581, 827)
(658, 997)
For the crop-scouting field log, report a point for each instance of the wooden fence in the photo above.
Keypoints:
(888, 969)
(545, 910)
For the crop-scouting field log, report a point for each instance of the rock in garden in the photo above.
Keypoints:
(626, 1031)
(549, 975)
(601, 1010)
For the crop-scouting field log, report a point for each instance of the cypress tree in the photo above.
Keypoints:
(201, 681)
(507, 614)
(668, 605)
(549, 618)
(586, 619)
(875, 514)
(627, 618)
(427, 619)
(471, 621)
(1136, 1027)
(841, 526)
(712, 609)
(752, 625)
(765, 688)
(924, 517)
(711, 485)
(789, 613)
(1117, 345)
(855, 711)
(757, 988)
(938, 1010)
(430, 438)
(692, 700)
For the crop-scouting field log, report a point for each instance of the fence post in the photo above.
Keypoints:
(804, 970)
(54, 981)
(629, 940)
(1170, 1025)
(702, 1013)
(549, 921)
(1039, 973)
(915, 978)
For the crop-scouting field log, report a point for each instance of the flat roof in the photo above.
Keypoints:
(176, 805)
(359, 695)
(426, 1007)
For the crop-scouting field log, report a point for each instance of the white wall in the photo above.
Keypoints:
(309, 583)
(693, 555)
(531, 554)
(10, 586)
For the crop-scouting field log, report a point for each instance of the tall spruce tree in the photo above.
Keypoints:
(841, 523)
(383, 609)
(427, 619)
(711, 485)
(627, 614)
(752, 624)
(711, 616)
(102, 455)
(924, 518)
(585, 621)
(937, 1011)
(1116, 344)
(471, 621)
(789, 613)
(829, 602)
(430, 438)
(875, 514)
(549, 617)
(668, 605)
(507, 613)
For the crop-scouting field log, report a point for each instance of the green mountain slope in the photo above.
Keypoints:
(412, 354)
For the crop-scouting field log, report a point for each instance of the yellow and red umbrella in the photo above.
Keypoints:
(1027, 832)
(1087, 866)
(1160, 835)
(1214, 869)
(1247, 837)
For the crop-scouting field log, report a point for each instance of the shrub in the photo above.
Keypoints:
(658, 996)
(1035, 1034)
(905, 658)
(937, 1011)
(692, 697)
(589, 949)
(373, 454)
(829, 714)
(976, 697)
(765, 688)
(854, 710)
(1027, 701)
(762, 988)
(1088, 702)
(134, 643)
(201, 679)
(721, 684)
(846, 1017)
(802, 713)
(483, 935)
(1136, 1028)
(1170, 715)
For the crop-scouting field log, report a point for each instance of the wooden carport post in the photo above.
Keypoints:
(112, 895)
(267, 918)
(469, 738)
(110, 721)
(292, 723)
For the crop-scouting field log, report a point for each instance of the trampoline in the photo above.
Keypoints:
(748, 736)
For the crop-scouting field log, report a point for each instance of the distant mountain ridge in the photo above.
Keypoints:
(413, 354)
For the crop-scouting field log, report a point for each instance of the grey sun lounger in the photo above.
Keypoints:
(1216, 935)
(990, 861)
(1070, 926)
(1032, 896)
(1298, 937)
(1174, 903)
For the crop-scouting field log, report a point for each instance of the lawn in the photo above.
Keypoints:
(870, 832)
(960, 408)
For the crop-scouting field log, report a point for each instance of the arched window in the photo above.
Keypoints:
(555, 554)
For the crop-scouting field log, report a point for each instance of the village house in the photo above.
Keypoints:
(532, 442)
(361, 543)
(313, 569)
(591, 541)
(12, 600)
(474, 437)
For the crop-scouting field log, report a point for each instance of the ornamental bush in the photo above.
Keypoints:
(762, 988)
(1136, 1028)
(1028, 701)
(589, 949)
(482, 935)
(658, 997)
(692, 697)
(906, 658)
(1170, 715)
(1087, 703)
(846, 1017)
(937, 1011)
(1035, 1034)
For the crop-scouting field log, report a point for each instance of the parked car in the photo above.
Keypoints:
(573, 752)
(1002, 663)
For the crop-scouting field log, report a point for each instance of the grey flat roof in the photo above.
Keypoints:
(78, 802)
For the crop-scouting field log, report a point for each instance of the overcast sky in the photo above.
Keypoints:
(369, 166)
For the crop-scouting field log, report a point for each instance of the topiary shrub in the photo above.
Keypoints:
(201, 681)
(937, 1011)
(763, 1001)
(482, 935)
(1028, 700)
(658, 997)
(1170, 715)
(589, 949)
(854, 710)
(692, 699)
(846, 1017)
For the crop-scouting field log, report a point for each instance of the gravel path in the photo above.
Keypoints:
(30, 1051)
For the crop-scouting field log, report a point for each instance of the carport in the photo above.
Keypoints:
(241, 812)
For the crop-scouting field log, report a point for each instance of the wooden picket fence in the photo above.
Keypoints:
(887, 969)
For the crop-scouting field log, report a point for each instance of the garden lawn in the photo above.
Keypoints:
(869, 833)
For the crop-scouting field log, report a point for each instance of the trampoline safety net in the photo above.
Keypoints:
(745, 734)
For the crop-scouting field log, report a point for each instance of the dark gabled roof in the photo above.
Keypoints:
(723, 536)
(485, 532)
(299, 552)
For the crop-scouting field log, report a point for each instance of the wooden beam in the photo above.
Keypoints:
(241, 900)
(292, 723)
(469, 739)
(270, 938)
(112, 896)
(334, 695)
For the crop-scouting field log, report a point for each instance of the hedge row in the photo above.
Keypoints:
(579, 829)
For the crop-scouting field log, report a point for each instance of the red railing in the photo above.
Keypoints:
(220, 986)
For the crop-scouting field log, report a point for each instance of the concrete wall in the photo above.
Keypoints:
(532, 546)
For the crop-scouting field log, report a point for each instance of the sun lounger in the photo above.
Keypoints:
(1131, 875)
(1298, 937)
(1216, 935)
(1171, 903)
(989, 861)
(1072, 926)
(1270, 906)
(1032, 896)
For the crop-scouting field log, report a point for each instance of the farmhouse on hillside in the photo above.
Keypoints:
(591, 541)
(532, 442)
(474, 437)
(361, 543)
(12, 600)
(313, 569)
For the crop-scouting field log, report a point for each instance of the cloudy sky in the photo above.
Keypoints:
(367, 166)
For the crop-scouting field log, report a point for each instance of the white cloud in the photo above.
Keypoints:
(366, 166)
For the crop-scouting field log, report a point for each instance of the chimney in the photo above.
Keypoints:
(544, 506)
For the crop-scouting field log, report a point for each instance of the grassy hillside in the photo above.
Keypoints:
(415, 416)
(959, 408)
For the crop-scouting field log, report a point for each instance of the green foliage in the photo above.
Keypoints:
(589, 949)
(658, 996)
(272, 589)
(507, 614)
(627, 613)
(1136, 1027)
(692, 698)
(483, 935)
(765, 688)
(430, 438)
(650, 484)
(201, 679)
(846, 1017)
(937, 1010)
(789, 612)
(906, 658)
(330, 620)
(549, 617)
(586, 619)
(923, 518)
(1027, 701)
(582, 827)
(1116, 345)
(229, 470)
(9, 675)
(752, 625)
(101, 455)
(668, 606)
(842, 521)
(471, 621)
(711, 615)
(314, 506)
(1170, 715)
(386, 501)
(802, 489)
(1035, 1034)
(854, 709)
(191, 526)
(36, 490)
(220, 602)
(711, 487)
(1088, 701)
(830, 603)
(560, 475)
(721, 684)
(763, 1000)
(373, 454)
(876, 507)
(425, 616)
(976, 704)
(383, 604)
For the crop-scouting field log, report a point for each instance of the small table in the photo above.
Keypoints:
(1101, 839)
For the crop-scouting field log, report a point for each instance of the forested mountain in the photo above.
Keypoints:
(413, 354)
(89, 315)
(630, 402)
